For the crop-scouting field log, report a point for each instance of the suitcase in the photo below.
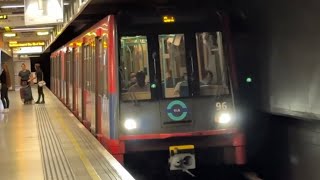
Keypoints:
(26, 94)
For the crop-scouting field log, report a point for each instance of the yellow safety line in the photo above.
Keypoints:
(92, 172)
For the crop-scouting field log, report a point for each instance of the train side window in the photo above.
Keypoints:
(173, 65)
(134, 68)
(211, 62)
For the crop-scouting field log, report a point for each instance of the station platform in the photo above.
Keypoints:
(46, 141)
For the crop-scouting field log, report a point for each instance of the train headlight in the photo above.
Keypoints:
(224, 118)
(130, 124)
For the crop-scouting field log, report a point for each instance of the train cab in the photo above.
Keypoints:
(175, 82)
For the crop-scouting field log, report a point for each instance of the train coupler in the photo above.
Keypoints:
(182, 158)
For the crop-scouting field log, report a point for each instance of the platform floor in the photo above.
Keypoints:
(48, 142)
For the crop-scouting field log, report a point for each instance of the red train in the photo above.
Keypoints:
(146, 81)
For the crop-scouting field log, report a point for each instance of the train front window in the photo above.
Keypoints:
(134, 72)
(173, 65)
(211, 62)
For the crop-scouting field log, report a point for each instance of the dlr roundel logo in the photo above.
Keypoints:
(177, 110)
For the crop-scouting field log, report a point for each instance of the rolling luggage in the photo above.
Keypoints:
(26, 94)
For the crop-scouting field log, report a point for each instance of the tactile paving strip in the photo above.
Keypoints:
(55, 163)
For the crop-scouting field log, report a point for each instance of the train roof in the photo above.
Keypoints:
(79, 39)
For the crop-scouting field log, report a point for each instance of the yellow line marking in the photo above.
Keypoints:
(90, 169)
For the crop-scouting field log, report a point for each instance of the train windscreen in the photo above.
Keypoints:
(135, 84)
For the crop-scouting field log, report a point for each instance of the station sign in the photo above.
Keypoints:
(28, 50)
(26, 44)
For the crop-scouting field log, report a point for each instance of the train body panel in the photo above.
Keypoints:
(130, 85)
(155, 117)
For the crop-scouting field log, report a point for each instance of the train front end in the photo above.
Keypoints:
(176, 88)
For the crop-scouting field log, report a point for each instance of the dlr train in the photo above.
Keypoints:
(149, 81)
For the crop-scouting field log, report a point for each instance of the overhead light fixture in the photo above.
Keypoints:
(32, 29)
(42, 33)
(66, 3)
(7, 28)
(10, 34)
(12, 6)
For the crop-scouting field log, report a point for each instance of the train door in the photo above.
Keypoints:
(54, 59)
(69, 78)
(90, 84)
(78, 81)
(52, 79)
(56, 76)
(175, 79)
(55, 63)
(51, 75)
(102, 122)
(63, 77)
(67, 63)
(74, 82)
(59, 72)
(64, 74)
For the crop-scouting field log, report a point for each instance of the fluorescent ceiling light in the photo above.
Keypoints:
(31, 29)
(66, 3)
(12, 6)
(42, 33)
(9, 34)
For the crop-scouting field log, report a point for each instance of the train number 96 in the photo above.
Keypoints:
(221, 105)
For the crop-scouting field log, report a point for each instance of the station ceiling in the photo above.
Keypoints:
(93, 12)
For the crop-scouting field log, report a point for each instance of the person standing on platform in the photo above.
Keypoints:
(5, 84)
(39, 75)
(25, 80)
